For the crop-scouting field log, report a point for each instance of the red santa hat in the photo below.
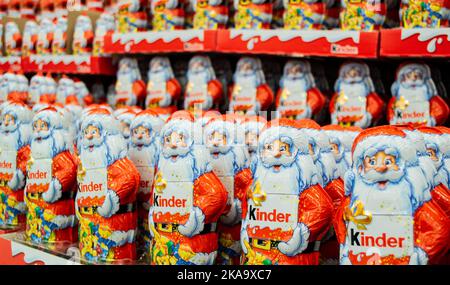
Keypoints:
(20, 111)
(51, 116)
(102, 119)
(388, 138)
(149, 120)
(283, 127)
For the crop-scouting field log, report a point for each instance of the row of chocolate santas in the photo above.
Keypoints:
(355, 101)
(50, 36)
(217, 187)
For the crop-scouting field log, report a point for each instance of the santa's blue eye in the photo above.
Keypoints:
(283, 148)
(372, 162)
(387, 162)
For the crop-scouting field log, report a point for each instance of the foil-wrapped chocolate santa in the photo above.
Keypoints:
(30, 34)
(104, 24)
(143, 150)
(387, 217)
(83, 36)
(229, 160)
(203, 90)
(210, 14)
(107, 188)
(13, 39)
(163, 89)
(187, 198)
(284, 222)
(298, 96)
(415, 98)
(167, 15)
(355, 102)
(15, 137)
(130, 88)
(249, 94)
(51, 182)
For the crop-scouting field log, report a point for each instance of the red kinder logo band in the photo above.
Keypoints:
(5, 164)
(91, 187)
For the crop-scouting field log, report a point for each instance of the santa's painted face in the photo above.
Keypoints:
(334, 149)
(432, 153)
(140, 137)
(413, 77)
(381, 169)
(157, 66)
(8, 123)
(40, 130)
(295, 71)
(251, 140)
(91, 137)
(175, 144)
(277, 153)
(246, 68)
(197, 66)
(217, 143)
(354, 74)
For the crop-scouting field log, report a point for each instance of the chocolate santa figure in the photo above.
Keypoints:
(130, 88)
(167, 15)
(59, 42)
(20, 94)
(355, 102)
(48, 95)
(437, 144)
(210, 14)
(253, 126)
(15, 137)
(107, 187)
(125, 116)
(362, 15)
(143, 150)
(30, 34)
(104, 24)
(298, 96)
(302, 209)
(387, 217)
(35, 89)
(249, 93)
(65, 91)
(415, 98)
(340, 143)
(229, 162)
(163, 89)
(187, 198)
(309, 14)
(45, 36)
(131, 16)
(83, 36)
(252, 14)
(8, 85)
(85, 97)
(51, 182)
(203, 90)
(13, 39)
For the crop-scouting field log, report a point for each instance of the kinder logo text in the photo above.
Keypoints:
(37, 175)
(275, 216)
(351, 109)
(91, 187)
(359, 238)
(414, 115)
(171, 202)
(6, 164)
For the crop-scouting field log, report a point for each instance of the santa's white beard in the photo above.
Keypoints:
(179, 170)
(223, 164)
(373, 177)
(95, 158)
(417, 93)
(348, 157)
(354, 89)
(201, 77)
(446, 170)
(179, 151)
(247, 81)
(429, 170)
(125, 79)
(394, 199)
(9, 140)
(327, 163)
(94, 142)
(158, 76)
(296, 84)
(145, 154)
(283, 161)
(42, 148)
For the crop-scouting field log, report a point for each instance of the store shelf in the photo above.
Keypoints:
(332, 43)
(18, 253)
(415, 42)
(10, 63)
(160, 42)
(74, 64)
